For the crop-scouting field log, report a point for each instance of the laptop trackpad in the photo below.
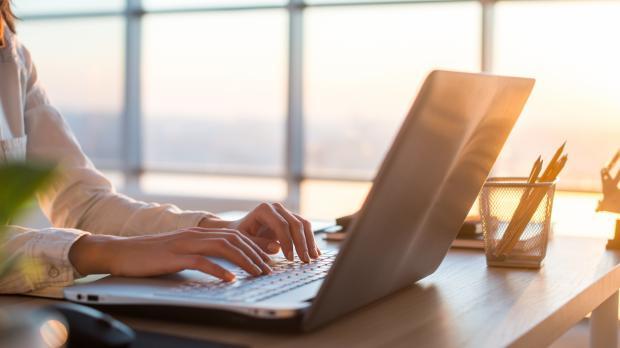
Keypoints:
(301, 294)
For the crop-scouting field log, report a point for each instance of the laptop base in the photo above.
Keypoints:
(202, 316)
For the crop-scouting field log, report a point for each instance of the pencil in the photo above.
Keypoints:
(524, 212)
(553, 170)
(554, 159)
(536, 168)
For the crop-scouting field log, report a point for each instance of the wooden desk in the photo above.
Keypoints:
(463, 304)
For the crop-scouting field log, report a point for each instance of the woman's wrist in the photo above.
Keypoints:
(213, 221)
(92, 254)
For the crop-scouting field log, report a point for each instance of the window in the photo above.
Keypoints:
(302, 98)
(361, 79)
(578, 80)
(64, 7)
(179, 4)
(84, 78)
(217, 81)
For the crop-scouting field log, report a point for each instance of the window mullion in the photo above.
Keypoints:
(486, 56)
(294, 150)
(132, 125)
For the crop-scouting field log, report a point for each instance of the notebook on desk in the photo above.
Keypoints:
(469, 237)
(419, 199)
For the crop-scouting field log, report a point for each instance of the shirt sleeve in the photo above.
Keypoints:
(40, 259)
(81, 197)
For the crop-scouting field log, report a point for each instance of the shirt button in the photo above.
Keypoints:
(53, 272)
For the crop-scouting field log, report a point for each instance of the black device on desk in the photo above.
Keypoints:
(90, 328)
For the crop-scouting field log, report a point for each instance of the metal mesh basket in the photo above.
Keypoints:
(516, 241)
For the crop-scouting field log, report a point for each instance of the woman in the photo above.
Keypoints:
(97, 230)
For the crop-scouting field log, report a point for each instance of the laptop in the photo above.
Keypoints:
(420, 197)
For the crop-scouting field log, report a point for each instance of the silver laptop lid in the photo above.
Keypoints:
(424, 189)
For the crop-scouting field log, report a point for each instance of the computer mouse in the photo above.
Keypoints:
(91, 328)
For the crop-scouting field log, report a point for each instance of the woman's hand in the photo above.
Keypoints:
(168, 253)
(273, 227)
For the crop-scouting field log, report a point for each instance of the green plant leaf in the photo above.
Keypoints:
(18, 184)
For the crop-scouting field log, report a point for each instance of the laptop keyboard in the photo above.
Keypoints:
(286, 276)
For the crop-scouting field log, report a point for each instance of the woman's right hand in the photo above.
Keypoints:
(167, 253)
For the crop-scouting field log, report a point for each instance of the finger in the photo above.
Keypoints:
(267, 215)
(202, 264)
(265, 232)
(191, 241)
(226, 250)
(261, 253)
(296, 230)
(237, 240)
(216, 244)
(309, 233)
(268, 245)
(226, 232)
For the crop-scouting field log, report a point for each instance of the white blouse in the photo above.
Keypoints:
(80, 201)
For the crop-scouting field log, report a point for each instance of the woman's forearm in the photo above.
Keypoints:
(92, 254)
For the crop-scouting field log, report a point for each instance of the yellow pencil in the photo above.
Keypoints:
(554, 160)
(553, 170)
(524, 211)
(536, 168)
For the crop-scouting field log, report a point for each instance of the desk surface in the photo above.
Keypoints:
(463, 304)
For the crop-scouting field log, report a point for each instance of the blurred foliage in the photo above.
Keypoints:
(19, 182)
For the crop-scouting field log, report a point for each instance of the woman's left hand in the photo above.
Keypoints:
(272, 227)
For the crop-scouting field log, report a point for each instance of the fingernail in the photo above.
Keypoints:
(229, 277)
(290, 256)
(313, 253)
(267, 269)
(273, 247)
(318, 251)
(257, 270)
(307, 257)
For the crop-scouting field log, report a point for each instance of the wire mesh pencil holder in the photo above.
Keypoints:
(516, 220)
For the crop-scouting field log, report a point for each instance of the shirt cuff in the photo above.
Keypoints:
(49, 254)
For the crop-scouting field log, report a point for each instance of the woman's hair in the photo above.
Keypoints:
(7, 14)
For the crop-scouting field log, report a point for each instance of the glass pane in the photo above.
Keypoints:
(325, 199)
(569, 47)
(215, 91)
(363, 68)
(574, 214)
(167, 4)
(80, 62)
(36, 7)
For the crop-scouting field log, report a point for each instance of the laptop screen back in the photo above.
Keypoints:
(424, 189)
